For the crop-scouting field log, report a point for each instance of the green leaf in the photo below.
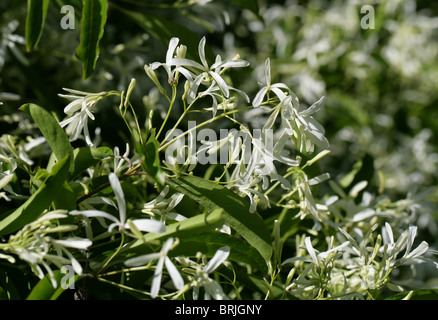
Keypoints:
(191, 226)
(196, 235)
(44, 289)
(13, 282)
(209, 243)
(38, 201)
(68, 199)
(86, 157)
(35, 19)
(151, 158)
(52, 131)
(424, 294)
(236, 210)
(94, 14)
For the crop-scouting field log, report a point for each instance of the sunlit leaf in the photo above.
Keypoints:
(35, 19)
(94, 15)
(236, 210)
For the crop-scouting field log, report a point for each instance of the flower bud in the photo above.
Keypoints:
(181, 51)
(186, 90)
(152, 75)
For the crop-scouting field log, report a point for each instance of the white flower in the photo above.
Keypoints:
(164, 207)
(36, 244)
(75, 243)
(173, 74)
(82, 102)
(212, 288)
(4, 181)
(163, 259)
(307, 130)
(215, 92)
(406, 240)
(146, 225)
(307, 201)
(300, 125)
(320, 264)
(267, 86)
(316, 257)
(213, 71)
(248, 185)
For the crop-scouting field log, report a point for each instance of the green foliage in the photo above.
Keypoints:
(39, 201)
(235, 210)
(94, 14)
(54, 134)
(36, 17)
(44, 289)
(277, 150)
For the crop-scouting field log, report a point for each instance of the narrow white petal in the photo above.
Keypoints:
(230, 64)
(201, 51)
(142, 260)
(167, 245)
(177, 280)
(358, 188)
(156, 281)
(95, 213)
(148, 225)
(214, 289)
(422, 248)
(186, 63)
(314, 107)
(279, 93)
(67, 121)
(387, 235)
(74, 242)
(271, 120)
(172, 45)
(319, 179)
(186, 73)
(268, 71)
(220, 256)
(221, 83)
(73, 106)
(259, 97)
(118, 191)
(311, 251)
(411, 238)
(76, 266)
(87, 135)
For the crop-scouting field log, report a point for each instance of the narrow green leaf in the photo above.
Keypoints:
(88, 156)
(44, 289)
(94, 14)
(236, 210)
(422, 294)
(209, 242)
(68, 199)
(35, 19)
(196, 236)
(12, 290)
(38, 201)
(52, 131)
(194, 225)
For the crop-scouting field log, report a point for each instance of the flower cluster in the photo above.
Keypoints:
(38, 244)
(137, 217)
